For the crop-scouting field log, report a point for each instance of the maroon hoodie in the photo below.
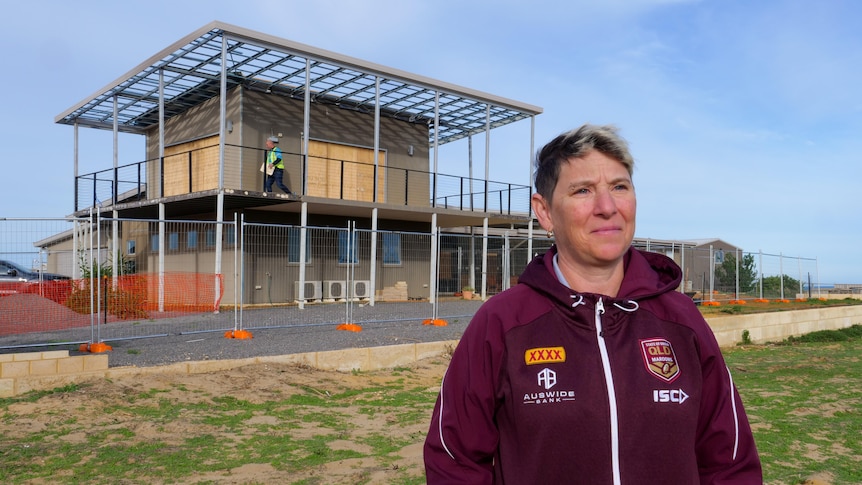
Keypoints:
(555, 387)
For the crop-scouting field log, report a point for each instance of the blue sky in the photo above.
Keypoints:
(745, 118)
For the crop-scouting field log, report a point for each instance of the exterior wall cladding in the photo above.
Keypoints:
(254, 116)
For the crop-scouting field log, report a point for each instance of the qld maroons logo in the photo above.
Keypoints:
(660, 359)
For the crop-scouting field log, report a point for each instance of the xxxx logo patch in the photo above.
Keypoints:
(545, 355)
(660, 359)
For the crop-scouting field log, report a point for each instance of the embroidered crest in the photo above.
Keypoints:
(545, 355)
(660, 359)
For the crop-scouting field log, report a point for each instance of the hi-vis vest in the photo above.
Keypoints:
(274, 158)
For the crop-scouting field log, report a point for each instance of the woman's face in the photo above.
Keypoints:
(592, 211)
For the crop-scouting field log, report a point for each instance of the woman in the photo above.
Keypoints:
(593, 369)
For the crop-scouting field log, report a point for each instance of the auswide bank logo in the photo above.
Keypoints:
(547, 379)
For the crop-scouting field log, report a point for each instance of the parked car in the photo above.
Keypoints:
(10, 271)
(15, 280)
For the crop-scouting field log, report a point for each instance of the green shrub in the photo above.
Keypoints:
(124, 303)
(840, 335)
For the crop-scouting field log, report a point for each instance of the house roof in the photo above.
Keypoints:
(713, 241)
(191, 70)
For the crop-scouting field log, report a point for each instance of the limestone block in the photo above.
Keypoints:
(14, 369)
(71, 365)
(95, 362)
(45, 367)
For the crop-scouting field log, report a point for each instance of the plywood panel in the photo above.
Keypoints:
(203, 156)
(343, 171)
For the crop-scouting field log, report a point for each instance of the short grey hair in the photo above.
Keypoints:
(578, 143)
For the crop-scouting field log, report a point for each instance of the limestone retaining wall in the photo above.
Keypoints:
(777, 326)
(30, 371)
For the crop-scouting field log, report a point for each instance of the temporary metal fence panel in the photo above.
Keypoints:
(521, 252)
(37, 267)
(466, 261)
(338, 285)
(714, 274)
(174, 278)
(130, 278)
(121, 284)
(776, 276)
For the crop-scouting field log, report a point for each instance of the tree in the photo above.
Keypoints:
(725, 274)
(772, 287)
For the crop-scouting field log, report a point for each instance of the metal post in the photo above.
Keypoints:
(373, 270)
(711, 272)
(781, 272)
(760, 267)
(432, 279)
(737, 273)
(303, 234)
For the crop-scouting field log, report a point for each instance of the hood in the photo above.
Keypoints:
(646, 275)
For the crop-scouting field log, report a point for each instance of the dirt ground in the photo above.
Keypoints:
(104, 404)
(104, 412)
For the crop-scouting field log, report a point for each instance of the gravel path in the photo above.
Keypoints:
(202, 336)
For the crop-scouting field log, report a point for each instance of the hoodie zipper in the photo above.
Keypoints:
(612, 395)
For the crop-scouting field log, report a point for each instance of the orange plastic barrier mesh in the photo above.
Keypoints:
(57, 305)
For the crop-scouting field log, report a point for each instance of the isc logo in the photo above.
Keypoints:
(669, 395)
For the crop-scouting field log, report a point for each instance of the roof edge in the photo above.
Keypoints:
(140, 67)
(279, 43)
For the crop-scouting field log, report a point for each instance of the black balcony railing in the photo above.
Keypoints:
(198, 170)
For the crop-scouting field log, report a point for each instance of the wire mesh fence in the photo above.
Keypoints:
(97, 279)
(712, 273)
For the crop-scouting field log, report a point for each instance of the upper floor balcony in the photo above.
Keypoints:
(197, 172)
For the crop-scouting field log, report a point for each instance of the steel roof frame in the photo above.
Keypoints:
(192, 68)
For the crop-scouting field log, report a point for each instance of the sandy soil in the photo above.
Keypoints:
(95, 407)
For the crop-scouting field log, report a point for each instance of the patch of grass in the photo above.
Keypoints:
(802, 398)
(149, 394)
(840, 335)
(732, 309)
(383, 444)
(325, 419)
(36, 395)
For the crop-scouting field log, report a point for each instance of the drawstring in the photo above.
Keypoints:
(634, 307)
(580, 300)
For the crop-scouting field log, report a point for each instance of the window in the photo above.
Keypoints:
(211, 240)
(173, 241)
(293, 234)
(391, 248)
(192, 241)
(230, 235)
(343, 250)
(130, 247)
(154, 243)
